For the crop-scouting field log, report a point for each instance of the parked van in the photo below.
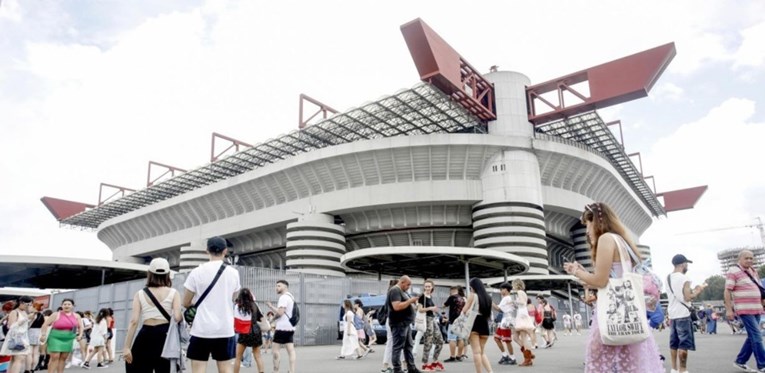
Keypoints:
(370, 302)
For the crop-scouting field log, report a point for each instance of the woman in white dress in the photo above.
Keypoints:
(350, 336)
(524, 324)
(97, 339)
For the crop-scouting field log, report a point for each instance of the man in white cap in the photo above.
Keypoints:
(212, 332)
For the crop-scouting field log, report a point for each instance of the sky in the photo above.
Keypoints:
(91, 91)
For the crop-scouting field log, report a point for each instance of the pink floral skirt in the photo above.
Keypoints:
(640, 357)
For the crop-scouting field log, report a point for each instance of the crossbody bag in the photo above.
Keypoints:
(691, 309)
(191, 312)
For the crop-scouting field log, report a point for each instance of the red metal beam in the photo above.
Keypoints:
(439, 64)
(682, 199)
(611, 83)
(120, 190)
(325, 110)
(653, 181)
(640, 165)
(621, 133)
(62, 209)
(168, 170)
(234, 144)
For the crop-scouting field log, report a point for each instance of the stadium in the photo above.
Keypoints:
(460, 162)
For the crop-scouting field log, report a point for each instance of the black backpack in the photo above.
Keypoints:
(295, 319)
(382, 314)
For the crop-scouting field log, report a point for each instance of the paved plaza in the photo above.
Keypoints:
(714, 354)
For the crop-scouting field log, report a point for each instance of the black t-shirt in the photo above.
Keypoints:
(455, 303)
(405, 316)
(427, 302)
(38, 321)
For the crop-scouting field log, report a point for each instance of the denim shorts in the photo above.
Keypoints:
(681, 335)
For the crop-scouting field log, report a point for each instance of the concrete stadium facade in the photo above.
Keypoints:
(511, 189)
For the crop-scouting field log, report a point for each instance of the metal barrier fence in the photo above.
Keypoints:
(319, 299)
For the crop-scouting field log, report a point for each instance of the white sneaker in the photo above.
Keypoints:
(673, 371)
(742, 367)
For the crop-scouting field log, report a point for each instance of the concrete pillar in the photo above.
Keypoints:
(315, 244)
(511, 216)
(581, 247)
(193, 255)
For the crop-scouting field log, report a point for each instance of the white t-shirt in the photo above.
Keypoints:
(577, 318)
(676, 310)
(215, 316)
(286, 302)
(567, 319)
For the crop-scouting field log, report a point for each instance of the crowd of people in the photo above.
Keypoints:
(216, 318)
(42, 339)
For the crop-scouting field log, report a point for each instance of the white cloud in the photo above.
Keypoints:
(723, 150)
(10, 10)
(667, 91)
(751, 52)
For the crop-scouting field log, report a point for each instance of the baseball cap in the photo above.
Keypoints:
(218, 244)
(680, 259)
(159, 266)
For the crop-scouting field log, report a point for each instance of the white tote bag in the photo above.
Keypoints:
(621, 305)
(420, 322)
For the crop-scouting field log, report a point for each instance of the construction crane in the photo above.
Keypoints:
(760, 226)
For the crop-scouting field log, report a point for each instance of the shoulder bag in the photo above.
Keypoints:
(691, 309)
(191, 312)
(157, 304)
(759, 286)
(621, 309)
(420, 318)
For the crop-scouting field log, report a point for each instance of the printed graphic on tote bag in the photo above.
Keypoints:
(623, 313)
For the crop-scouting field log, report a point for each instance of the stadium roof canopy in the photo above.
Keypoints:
(64, 273)
(440, 262)
(420, 110)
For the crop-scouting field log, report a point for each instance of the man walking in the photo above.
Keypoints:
(212, 332)
(742, 294)
(455, 302)
(681, 338)
(285, 331)
(400, 317)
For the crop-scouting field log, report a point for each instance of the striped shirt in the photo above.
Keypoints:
(745, 293)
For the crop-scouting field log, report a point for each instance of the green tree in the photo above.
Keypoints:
(761, 271)
(714, 289)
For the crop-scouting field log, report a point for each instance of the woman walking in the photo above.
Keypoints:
(433, 337)
(98, 336)
(107, 351)
(144, 355)
(246, 317)
(479, 334)
(548, 322)
(350, 336)
(524, 323)
(64, 327)
(34, 336)
(16, 343)
(603, 229)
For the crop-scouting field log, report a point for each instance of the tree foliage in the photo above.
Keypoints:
(714, 289)
(761, 271)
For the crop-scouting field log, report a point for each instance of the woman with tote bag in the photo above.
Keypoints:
(605, 234)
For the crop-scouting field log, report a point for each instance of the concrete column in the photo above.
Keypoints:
(315, 244)
(511, 216)
(193, 255)
(581, 247)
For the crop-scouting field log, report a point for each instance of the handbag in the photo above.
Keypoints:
(190, 313)
(420, 322)
(464, 323)
(694, 312)
(621, 308)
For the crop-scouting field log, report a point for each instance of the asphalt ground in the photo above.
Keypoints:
(714, 354)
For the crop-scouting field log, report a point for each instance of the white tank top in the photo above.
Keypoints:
(149, 311)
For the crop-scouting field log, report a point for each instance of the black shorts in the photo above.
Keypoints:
(283, 337)
(221, 349)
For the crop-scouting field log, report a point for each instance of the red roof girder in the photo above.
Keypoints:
(625, 79)
(62, 209)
